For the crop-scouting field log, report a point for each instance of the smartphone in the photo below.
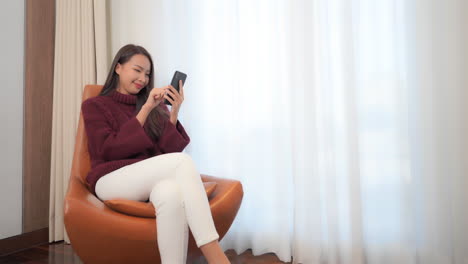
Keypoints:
(175, 83)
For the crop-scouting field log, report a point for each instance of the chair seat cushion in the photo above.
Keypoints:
(145, 209)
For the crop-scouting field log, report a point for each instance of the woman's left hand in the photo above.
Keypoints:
(178, 99)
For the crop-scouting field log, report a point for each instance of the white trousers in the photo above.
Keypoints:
(173, 184)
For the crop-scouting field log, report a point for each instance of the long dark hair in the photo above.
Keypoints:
(153, 125)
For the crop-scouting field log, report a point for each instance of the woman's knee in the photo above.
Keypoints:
(166, 193)
(184, 157)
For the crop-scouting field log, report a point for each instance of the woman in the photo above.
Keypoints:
(135, 146)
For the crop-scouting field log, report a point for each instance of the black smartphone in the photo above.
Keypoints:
(175, 83)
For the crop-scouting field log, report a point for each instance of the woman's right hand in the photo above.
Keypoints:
(155, 97)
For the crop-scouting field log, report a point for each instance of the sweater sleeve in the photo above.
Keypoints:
(108, 143)
(174, 137)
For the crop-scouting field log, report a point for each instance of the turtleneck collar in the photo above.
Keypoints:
(124, 98)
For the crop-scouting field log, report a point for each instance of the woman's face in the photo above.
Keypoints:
(134, 74)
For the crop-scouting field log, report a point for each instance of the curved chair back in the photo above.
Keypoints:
(81, 162)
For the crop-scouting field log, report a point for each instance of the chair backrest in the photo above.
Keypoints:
(81, 162)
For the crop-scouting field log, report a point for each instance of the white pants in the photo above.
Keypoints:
(173, 184)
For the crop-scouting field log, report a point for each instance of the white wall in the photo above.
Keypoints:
(12, 15)
(125, 17)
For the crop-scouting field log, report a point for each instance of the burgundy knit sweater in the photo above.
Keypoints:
(116, 138)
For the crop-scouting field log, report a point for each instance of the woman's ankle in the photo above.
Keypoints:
(214, 254)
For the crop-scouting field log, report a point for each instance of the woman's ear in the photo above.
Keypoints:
(118, 68)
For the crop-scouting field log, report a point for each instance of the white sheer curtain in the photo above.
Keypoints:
(343, 119)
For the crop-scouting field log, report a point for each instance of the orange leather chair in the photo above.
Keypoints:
(99, 234)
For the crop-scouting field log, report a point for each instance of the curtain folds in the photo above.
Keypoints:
(80, 59)
(344, 120)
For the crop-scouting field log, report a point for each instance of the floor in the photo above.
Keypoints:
(62, 253)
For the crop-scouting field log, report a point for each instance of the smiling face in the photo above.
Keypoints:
(134, 74)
